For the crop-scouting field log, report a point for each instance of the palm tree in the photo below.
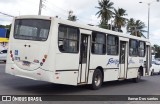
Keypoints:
(105, 12)
(119, 20)
(135, 27)
(130, 26)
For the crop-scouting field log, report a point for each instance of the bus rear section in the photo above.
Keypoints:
(28, 48)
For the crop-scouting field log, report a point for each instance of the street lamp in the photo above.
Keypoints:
(148, 15)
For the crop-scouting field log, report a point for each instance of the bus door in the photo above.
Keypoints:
(123, 59)
(84, 58)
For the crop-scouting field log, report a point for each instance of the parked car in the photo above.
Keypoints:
(3, 55)
(155, 67)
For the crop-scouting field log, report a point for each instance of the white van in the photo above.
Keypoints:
(155, 69)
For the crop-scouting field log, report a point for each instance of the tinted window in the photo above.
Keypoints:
(112, 45)
(68, 39)
(133, 49)
(32, 29)
(98, 43)
(141, 49)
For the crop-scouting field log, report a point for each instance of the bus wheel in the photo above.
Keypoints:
(96, 79)
(136, 80)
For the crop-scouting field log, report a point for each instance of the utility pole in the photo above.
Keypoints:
(149, 4)
(148, 19)
(40, 7)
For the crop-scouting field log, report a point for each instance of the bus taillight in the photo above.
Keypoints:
(11, 54)
(45, 56)
(43, 60)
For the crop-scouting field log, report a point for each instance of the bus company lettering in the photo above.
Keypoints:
(113, 61)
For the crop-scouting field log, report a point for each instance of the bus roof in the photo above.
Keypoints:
(82, 26)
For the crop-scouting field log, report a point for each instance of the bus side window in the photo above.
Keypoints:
(60, 44)
(62, 32)
(112, 45)
(141, 49)
(133, 47)
(68, 39)
(98, 43)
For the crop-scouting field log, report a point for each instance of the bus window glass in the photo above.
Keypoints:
(141, 49)
(26, 30)
(133, 49)
(43, 33)
(68, 39)
(72, 33)
(98, 43)
(112, 45)
(32, 29)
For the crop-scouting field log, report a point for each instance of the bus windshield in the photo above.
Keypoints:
(32, 29)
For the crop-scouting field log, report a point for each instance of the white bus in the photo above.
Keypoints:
(65, 52)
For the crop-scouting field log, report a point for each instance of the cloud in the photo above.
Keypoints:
(85, 11)
(155, 37)
(8, 1)
(5, 20)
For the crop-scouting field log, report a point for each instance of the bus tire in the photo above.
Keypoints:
(96, 80)
(137, 79)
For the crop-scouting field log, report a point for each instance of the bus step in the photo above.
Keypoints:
(121, 79)
(83, 83)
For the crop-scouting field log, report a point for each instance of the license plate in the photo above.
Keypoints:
(17, 58)
(26, 63)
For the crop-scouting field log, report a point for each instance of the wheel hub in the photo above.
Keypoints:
(97, 80)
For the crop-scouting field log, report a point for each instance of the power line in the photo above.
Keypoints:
(50, 3)
(58, 13)
(6, 14)
(51, 7)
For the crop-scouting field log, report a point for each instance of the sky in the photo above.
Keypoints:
(85, 11)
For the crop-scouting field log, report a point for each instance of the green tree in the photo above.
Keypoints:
(157, 51)
(105, 12)
(119, 19)
(135, 27)
(72, 17)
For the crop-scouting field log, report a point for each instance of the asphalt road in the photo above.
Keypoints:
(12, 85)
